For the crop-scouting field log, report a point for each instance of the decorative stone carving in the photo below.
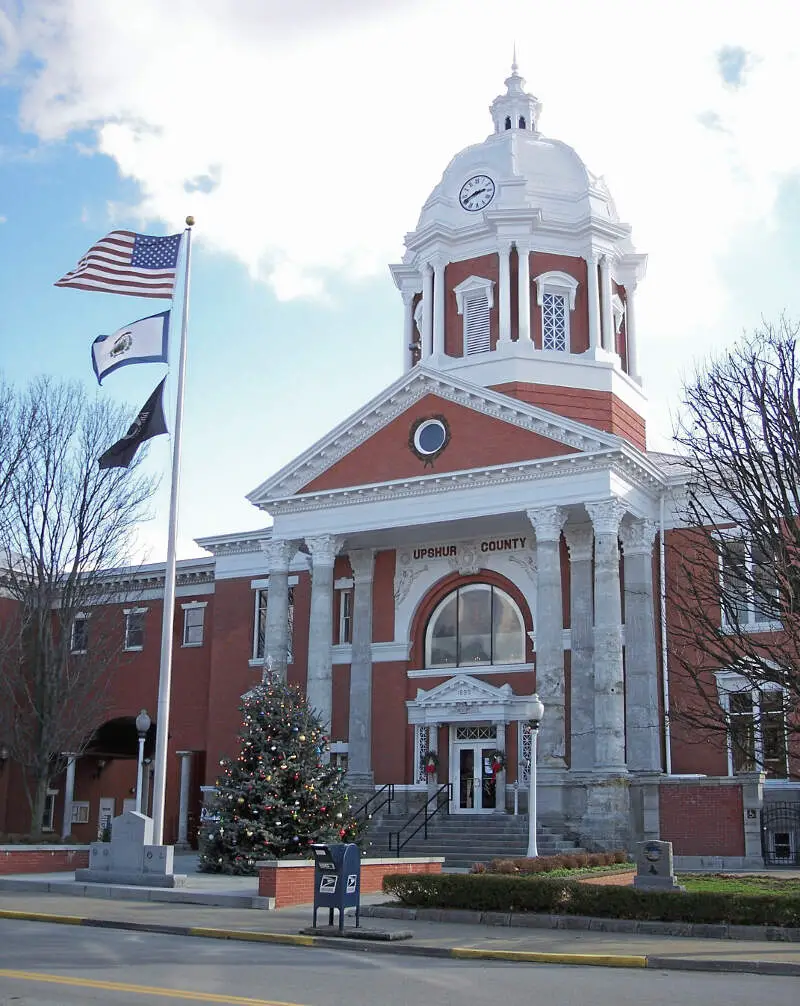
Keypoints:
(580, 541)
(637, 536)
(466, 561)
(547, 522)
(606, 515)
(323, 549)
(405, 575)
(527, 560)
(279, 553)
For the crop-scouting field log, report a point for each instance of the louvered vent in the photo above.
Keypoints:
(476, 324)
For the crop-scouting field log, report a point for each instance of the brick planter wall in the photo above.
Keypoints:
(703, 817)
(288, 882)
(42, 858)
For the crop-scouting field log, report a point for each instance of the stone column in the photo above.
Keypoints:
(580, 541)
(438, 307)
(607, 314)
(408, 330)
(630, 332)
(641, 665)
(524, 290)
(319, 683)
(609, 686)
(183, 805)
(359, 744)
(500, 778)
(427, 310)
(505, 292)
(549, 630)
(279, 554)
(69, 796)
(593, 291)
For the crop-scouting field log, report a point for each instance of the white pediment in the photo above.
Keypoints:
(399, 397)
(464, 699)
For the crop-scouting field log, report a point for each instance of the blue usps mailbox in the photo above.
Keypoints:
(337, 880)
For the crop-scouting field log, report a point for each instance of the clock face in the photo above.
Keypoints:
(476, 193)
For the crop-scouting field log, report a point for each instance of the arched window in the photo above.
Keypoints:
(508, 122)
(522, 122)
(474, 625)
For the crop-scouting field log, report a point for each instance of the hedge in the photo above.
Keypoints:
(556, 896)
(547, 864)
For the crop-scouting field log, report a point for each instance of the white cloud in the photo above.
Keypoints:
(304, 137)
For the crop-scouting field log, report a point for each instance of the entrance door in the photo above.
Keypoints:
(475, 785)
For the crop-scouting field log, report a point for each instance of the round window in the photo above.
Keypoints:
(430, 437)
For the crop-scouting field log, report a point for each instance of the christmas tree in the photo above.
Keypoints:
(281, 794)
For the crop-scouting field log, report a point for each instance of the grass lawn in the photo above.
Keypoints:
(723, 883)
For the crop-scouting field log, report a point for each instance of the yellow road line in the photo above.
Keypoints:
(604, 960)
(250, 936)
(67, 920)
(145, 990)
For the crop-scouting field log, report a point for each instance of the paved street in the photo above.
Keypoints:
(122, 969)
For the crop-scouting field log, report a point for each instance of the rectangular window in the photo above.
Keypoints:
(193, 624)
(554, 322)
(260, 630)
(748, 584)
(80, 634)
(345, 616)
(757, 733)
(477, 337)
(49, 810)
(134, 629)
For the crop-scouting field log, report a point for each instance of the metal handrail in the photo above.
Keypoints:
(446, 787)
(384, 795)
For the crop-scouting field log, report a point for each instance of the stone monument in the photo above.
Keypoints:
(654, 867)
(130, 857)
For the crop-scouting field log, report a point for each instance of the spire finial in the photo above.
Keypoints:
(514, 59)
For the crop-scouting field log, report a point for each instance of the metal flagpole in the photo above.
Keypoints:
(165, 670)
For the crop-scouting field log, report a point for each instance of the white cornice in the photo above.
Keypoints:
(399, 397)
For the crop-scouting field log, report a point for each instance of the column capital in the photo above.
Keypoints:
(547, 522)
(637, 536)
(606, 515)
(427, 269)
(362, 562)
(408, 296)
(323, 548)
(580, 541)
(184, 754)
(505, 246)
(279, 553)
(523, 246)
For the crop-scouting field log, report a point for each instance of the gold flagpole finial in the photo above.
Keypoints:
(190, 221)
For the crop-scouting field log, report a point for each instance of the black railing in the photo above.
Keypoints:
(380, 798)
(396, 843)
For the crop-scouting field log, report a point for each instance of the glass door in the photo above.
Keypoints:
(476, 785)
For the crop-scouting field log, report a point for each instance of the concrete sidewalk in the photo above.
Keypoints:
(440, 939)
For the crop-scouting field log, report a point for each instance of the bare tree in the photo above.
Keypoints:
(63, 522)
(735, 588)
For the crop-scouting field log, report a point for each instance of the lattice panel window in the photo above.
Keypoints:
(476, 324)
(420, 752)
(476, 733)
(554, 322)
(524, 747)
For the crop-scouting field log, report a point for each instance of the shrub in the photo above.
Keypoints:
(547, 864)
(497, 893)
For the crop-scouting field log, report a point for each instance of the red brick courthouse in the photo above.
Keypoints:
(490, 526)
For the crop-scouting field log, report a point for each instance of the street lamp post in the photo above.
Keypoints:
(142, 726)
(537, 711)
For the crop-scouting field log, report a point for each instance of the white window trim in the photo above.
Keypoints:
(731, 682)
(132, 611)
(193, 606)
(257, 586)
(49, 825)
(341, 635)
(473, 285)
(750, 626)
(477, 667)
(561, 284)
(78, 614)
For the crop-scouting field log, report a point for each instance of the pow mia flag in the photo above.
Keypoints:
(149, 423)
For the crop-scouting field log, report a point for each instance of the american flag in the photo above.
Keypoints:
(138, 265)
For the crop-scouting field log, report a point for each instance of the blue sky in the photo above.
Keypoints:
(305, 139)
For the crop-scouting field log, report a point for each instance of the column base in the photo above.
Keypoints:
(606, 819)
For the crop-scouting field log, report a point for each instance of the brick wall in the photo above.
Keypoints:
(24, 860)
(705, 818)
(294, 885)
